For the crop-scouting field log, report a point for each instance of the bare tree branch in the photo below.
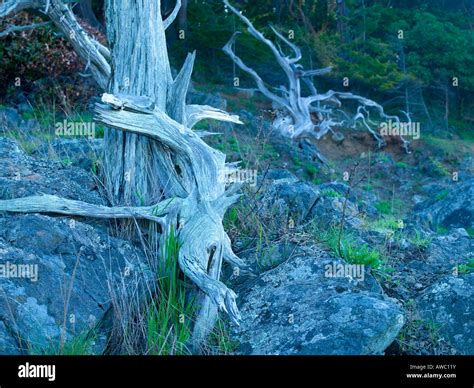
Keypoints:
(172, 17)
(11, 29)
(314, 115)
(58, 205)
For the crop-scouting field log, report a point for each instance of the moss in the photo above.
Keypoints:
(441, 230)
(442, 195)
(384, 207)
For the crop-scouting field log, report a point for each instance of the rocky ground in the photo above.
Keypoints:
(407, 220)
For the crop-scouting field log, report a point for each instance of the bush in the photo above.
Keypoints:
(42, 61)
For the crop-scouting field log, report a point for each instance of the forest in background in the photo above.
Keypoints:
(411, 55)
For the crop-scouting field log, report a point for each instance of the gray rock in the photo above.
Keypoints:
(296, 309)
(79, 152)
(448, 304)
(328, 210)
(8, 345)
(21, 176)
(286, 198)
(71, 265)
(68, 265)
(455, 210)
(266, 257)
(9, 119)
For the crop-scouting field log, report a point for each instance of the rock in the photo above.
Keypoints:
(266, 257)
(279, 176)
(418, 267)
(296, 309)
(22, 175)
(67, 269)
(287, 198)
(455, 210)
(448, 304)
(9, 119)
(56, 272)
(77, 152)
(328, 210)
(25, 107)
(8, 345)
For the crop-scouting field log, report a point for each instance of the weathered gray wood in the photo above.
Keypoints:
(295, 117)
(151, 153)
(54, 204)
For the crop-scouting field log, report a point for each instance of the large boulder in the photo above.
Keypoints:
(22, 175)
(287, 198)
(298, 308)
(450, 208)
(448, 305)
(56, 272)
(9, 119)
(418, 267)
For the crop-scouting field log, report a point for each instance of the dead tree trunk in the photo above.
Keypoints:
(314, 115)
(85, 11)
(157, 168)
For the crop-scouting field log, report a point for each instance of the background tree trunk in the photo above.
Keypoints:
(85, 11)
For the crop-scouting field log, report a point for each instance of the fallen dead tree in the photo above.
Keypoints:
(316, 114)
(150, 147)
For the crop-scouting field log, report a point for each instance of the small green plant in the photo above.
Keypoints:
(442, 195)
(384, 207)
(310, 169)
(387, 224)
(441, 230)
(419, 241)
(231, 218)
(330, 193)
(234, 144)
(463, 269)
(264, 249)
(169, 317)
(297, 161)
(349, 250)
(66, 162)
(401, 165)
(220, 342)
(439, 168)
(80, 345)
